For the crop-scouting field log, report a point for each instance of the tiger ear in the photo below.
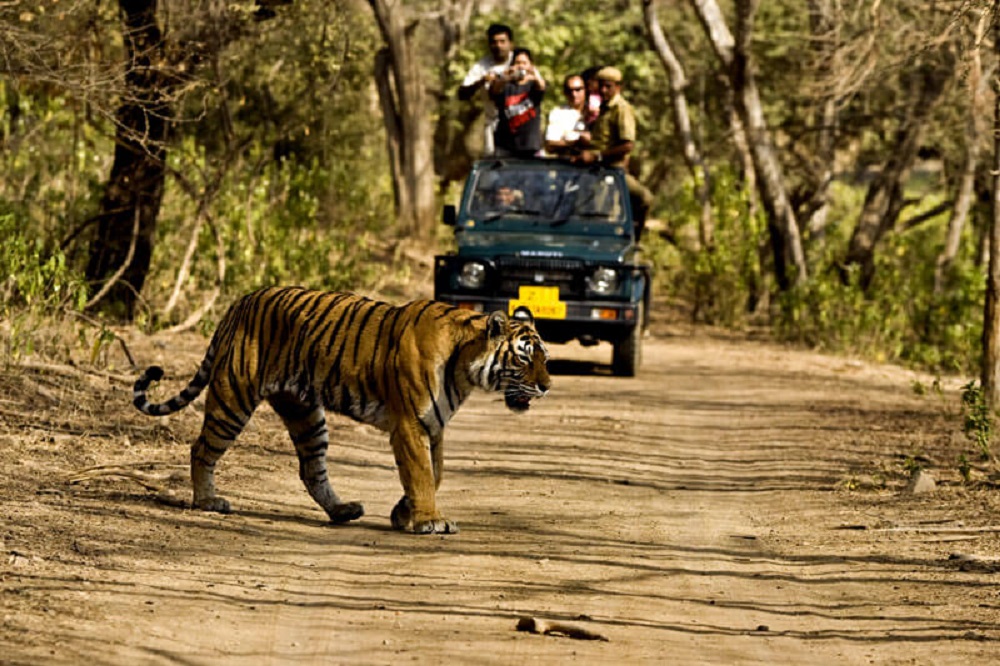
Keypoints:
(523, 314)
(496, 325)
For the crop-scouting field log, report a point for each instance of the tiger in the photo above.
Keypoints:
(404, 369)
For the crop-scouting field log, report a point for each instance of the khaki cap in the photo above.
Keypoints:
(612, 74)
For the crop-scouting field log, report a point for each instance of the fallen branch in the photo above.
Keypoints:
(146, 480)
(536, 625)
(150, 482)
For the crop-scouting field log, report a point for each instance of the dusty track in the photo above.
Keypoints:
(736, 503)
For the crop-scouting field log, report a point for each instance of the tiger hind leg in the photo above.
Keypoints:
(223, 423)
(307, 426)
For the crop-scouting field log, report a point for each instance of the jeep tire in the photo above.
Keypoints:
(627, 354)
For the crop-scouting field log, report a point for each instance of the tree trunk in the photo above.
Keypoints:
(962, 206)
(135, 186)
(456, 125)
(967, 181)
(682, 122)
(884, 199)
(825, 39)
(990, 378)
(407, 118)
(790, 263)
(786, 242)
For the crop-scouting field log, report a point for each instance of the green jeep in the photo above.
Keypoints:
(557, 238)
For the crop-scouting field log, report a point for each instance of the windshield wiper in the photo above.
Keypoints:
(595, 215)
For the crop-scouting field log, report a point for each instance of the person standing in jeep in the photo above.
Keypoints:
(484, 72)
(566, 122)
(518, 96)
(612, 138)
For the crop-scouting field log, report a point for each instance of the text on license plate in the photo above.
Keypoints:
(543, 302)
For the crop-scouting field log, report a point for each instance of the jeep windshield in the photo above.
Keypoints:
(553, 194)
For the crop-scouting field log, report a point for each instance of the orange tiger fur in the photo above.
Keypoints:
(404, 369)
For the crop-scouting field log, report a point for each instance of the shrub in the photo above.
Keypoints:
(37, 283)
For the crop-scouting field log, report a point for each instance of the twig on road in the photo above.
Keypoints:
(539, 626)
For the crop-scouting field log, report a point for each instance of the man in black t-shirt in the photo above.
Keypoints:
(518, 96)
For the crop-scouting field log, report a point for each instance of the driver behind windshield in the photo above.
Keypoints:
(507, 197)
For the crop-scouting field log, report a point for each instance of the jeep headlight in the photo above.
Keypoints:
(603, 281)
(472, 275)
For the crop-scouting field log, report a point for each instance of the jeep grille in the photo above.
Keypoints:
(567, 274)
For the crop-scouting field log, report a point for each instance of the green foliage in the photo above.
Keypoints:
(726, 277)
(36, 278)
(291, 223)
(277, 243)
(278, 153)
(964, 468)
(37, 283)
(912, 465)
(720, 283)
(978, 419)
(900, 318)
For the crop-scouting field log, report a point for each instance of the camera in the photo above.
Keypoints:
(520, 74)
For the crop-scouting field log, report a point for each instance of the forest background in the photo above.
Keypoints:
(822, 168)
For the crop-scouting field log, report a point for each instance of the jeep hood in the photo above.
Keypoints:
(553, 246)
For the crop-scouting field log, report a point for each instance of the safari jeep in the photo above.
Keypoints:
(557, 238)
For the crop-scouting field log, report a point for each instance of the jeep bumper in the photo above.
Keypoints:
(587, 321)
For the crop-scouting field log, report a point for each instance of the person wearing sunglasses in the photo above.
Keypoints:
(565, 123)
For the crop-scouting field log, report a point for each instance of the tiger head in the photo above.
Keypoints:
(519, 359)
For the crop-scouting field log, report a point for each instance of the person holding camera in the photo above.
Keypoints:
(518, 95)
(486, 70)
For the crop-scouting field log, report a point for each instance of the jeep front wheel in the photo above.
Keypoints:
(627, 353)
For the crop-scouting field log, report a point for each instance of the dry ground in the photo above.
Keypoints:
(736, 503)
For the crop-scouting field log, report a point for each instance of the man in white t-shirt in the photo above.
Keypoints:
(566, 123)
(483, 73)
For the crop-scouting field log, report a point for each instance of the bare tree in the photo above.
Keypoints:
(456, 125)
(735, 54)
(825, 40)
(977, 80)
(407, 117)
(132, 196)
(884, 199)
(990, 377)
(682, 121)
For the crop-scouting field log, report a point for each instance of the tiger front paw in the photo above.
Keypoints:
(435, 526)
(216, 504)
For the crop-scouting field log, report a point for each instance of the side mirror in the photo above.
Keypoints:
(449, 216)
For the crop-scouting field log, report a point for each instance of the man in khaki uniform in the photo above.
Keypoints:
(612, 138)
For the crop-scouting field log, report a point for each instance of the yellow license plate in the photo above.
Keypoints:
(543, 302)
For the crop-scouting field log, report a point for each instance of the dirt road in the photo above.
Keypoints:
(738, 503)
